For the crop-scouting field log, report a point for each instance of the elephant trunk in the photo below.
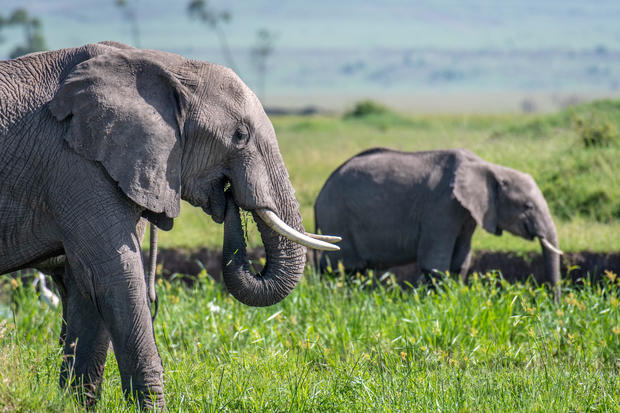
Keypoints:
(551, 258)
(285, 259)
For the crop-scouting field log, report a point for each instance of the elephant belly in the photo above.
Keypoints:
(25, 237)
(384, 249)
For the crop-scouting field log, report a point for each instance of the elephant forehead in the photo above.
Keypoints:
(523, 185)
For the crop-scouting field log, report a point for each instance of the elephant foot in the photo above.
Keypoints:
(84, 392)
(150, 402)
(149, 399)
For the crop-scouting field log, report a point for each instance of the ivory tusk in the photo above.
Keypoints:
(326, 238)
(550, 246)
(274, 222)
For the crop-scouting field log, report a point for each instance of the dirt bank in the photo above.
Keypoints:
(513, 266)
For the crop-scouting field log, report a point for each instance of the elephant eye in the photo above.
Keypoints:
(529, 205)
(241, 137)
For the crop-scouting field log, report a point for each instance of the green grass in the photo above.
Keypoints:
(337, 345)
(582, 185)
(349, 345)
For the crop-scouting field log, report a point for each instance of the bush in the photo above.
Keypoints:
(583, 183)
(379, 116)
(366, 108)
(594, 122)
(595, 132)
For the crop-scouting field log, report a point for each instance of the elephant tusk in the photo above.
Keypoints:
(275, 223)
(326, 238)
(550, 246)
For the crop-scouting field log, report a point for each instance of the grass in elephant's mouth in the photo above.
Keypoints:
(338, 345)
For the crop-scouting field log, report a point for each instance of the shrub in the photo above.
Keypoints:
(594, 122)
(366, 108)
(595, 132)
(583, 183)
(379, 116)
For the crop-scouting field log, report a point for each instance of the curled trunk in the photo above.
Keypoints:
(285, 259)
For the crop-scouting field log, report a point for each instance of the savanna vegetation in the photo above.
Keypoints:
(573, 156)
(348, 345)
(366, 344)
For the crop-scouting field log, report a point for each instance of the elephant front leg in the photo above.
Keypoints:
(435, 254)
(107, 301)
(86, 341)
(100, 230)
(461, 256)
(126, 314)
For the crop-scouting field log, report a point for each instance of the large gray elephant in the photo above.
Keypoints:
(394, 208)
(96, 139)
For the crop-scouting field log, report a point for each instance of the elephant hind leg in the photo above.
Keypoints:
(86, 342)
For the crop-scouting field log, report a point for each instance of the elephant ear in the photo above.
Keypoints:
(125, 112)
(476, 189)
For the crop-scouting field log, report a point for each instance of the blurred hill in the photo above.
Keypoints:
(449, 55)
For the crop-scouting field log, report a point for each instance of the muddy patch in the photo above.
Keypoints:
(514, 267)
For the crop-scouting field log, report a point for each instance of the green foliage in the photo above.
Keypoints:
(366, 108)
(587, 120)
(356, 344)
(594, 132)
(578, 182)
(376, 115)
(586, 183)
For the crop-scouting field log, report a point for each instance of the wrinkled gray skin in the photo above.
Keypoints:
(97, 138)
(393, 208)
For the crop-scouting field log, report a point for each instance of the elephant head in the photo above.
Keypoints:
(166, 128)
(501, 198)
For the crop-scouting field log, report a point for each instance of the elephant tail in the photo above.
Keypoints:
(315, 253)
(150, 285)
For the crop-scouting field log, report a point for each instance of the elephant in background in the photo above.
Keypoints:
(97, 139)
(393, 208)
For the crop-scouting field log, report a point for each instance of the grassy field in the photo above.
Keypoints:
(356, 344)
(337, 345)
(581, 184)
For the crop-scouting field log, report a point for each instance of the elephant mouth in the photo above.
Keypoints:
(215, 204)
(528, 233)
(532, 234)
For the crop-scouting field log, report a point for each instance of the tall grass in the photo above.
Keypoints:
(354, 344)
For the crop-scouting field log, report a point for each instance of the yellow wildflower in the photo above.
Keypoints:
(611, 275)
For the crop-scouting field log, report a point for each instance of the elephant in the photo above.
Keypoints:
(99, 139)
(393, 207)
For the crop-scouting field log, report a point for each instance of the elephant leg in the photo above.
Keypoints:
(113, 294)
(126, 312)
(86, 341)
(101, 241)
(435, 254)
(461, 256)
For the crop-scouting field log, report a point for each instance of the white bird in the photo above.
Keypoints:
(46, 294)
